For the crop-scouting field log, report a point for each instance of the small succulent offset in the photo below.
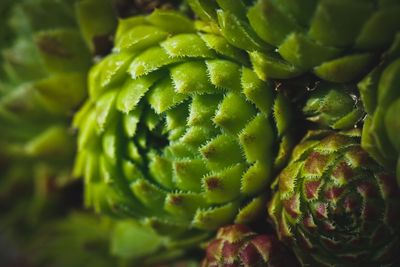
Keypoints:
(334, 106)
(178, 131)
(381, 97)
(335, 205)
(237, 246)
(337, 40)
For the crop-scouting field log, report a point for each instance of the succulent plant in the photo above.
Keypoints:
(336, 40)
(335, 206)
(43, 81)
(43, 65)
(237, 246)
(178, 132)
(79, 239)
(381, 99)
(335, 106)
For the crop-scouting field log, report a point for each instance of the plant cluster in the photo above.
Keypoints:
(205, 133)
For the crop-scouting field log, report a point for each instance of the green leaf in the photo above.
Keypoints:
(223, 186)
(389, 84)
(191, 77)
(257, 91)
(63, 50)
(163, 96)
(140, 37)
(337, 23)
(202, 109)
(187, 45)
(205, 9)
(216, 150)
(184, 205)
(127, 231)
(251, 211)
(224, 74)
(133, 90)
(188, 174)
(372, 36)
(271, 66)
(392, 124)
(344, 69)
(257, 177)
(105, 109)
(240, 34)
(171, 21)
(213, 218)
(270, 23)
(149, 61)
(305, 53)
(233, 113)
(222, 47)
(257, 139)
(149, 195)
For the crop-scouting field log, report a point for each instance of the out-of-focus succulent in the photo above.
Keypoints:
(42, 82)
(337, 40)
(237, 246)
(335, 206)
(6, 33)
(381, 98)
(179, 132)
(78, 239)
(334, 105)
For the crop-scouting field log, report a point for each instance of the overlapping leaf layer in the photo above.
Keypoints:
(337, 40)
(381, 97)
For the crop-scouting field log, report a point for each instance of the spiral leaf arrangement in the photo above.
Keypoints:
(177, 132)
(335, 205)
(187, 121)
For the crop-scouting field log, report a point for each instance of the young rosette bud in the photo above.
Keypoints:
(335, 106)
(337, 40)
(179, 132)
(335, 206)
(237, 246)
(381, 97)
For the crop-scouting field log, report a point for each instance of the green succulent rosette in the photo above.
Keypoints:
(335, 206)
(336, 40)
(381, 97)
(335, 106)
(178, 132)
